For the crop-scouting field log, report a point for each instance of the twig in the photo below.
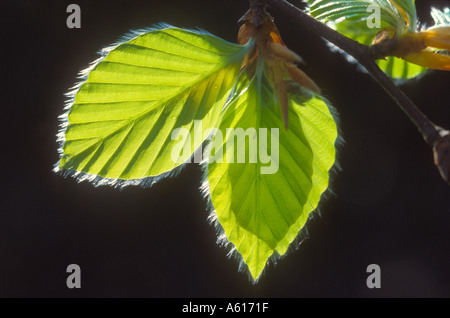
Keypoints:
(434, 135)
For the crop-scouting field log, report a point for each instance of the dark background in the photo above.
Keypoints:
(391, 207)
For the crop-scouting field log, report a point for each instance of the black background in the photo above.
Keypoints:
(391, 207)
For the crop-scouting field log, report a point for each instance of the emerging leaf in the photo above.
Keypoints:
(350, 17)
(396, 13)
(396, 35)
(395, 67)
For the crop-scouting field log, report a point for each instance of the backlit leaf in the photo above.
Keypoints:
(261, 205)
(119, 120)
(395, 13)
(355, 26)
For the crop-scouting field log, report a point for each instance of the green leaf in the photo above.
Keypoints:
(121, 117)
(357, 31)
(400, 70)
(261, 204)
(409, 8)
(357, 11)
(349, 17)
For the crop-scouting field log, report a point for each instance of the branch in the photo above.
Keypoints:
(434, 135)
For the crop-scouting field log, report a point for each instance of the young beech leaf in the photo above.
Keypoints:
(120, 118)
(262, 211)
(396, 13)
(350, 17)
(397, 68)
